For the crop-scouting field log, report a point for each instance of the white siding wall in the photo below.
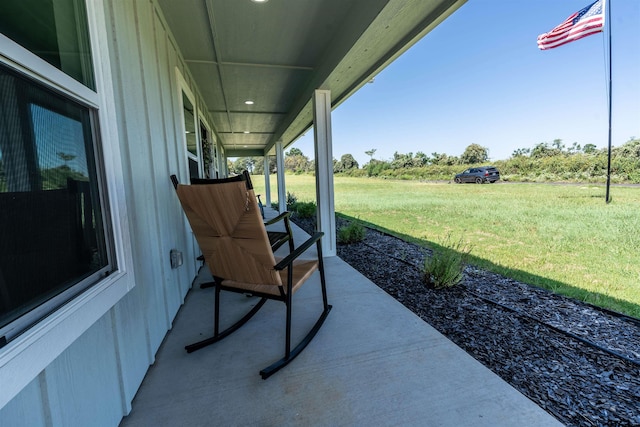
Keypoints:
(95, 379)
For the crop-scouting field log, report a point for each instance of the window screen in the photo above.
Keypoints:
(52, 219)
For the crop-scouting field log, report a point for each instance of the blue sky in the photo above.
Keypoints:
(479, 77)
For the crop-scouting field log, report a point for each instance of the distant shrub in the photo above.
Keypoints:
(376, 167)
(444, 268)
(352, 233)
(304, 209)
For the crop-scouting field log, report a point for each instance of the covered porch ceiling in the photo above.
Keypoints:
(277, 52)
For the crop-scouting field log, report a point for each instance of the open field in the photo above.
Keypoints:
(561, 237)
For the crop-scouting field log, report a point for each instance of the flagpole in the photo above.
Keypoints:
(608, 18)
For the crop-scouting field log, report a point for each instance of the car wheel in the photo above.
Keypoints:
(478, 180)
(458, 181)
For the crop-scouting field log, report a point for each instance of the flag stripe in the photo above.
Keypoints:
(574, 29)
(565, 41)
(583, 23)
(575, 32)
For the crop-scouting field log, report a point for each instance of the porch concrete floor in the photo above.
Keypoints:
(373, 363)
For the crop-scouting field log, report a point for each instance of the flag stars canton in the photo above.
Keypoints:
(589, 11)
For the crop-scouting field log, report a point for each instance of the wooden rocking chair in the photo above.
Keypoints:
(226, 220)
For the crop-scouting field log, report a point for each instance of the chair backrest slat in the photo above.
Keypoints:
(226, 220)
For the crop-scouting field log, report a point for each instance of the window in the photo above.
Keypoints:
(55, 30)
(191, 136)
(52, 210)
(208, 150)
(196, 132)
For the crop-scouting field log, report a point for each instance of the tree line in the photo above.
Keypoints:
(542, 163)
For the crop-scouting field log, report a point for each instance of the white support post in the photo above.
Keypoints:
(224, 170)
(324, 170)
(267, 182)
(282, 189)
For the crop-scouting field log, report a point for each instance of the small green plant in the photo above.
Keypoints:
(292, 201)
(304, 209)
(443, 269)
(352, 233)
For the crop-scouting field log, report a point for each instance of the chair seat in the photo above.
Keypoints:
(302, 270)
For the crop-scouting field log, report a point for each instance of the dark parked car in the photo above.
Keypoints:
(478, 175)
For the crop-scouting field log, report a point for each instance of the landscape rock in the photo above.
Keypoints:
(578, 362)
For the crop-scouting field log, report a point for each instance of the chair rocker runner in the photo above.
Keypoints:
(226, 221)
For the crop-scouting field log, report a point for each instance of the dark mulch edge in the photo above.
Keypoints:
(578, 384)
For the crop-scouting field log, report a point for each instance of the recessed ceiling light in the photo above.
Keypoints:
(246, 131)
(249, 102)
(259, 1)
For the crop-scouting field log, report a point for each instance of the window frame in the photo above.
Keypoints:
(26, 356)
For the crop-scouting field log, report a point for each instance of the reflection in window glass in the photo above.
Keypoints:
(55, 30)
(52, 233)
(59, 154)
(194, 169)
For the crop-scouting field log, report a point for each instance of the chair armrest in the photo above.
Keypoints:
(283, 215)
(285, 262)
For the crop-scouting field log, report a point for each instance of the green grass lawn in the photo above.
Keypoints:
(561, 237)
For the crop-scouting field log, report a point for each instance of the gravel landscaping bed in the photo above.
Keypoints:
(580, 363)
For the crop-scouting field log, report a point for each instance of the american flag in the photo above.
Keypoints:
(585, 22)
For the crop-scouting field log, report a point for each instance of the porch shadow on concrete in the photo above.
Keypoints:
(373, 363)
